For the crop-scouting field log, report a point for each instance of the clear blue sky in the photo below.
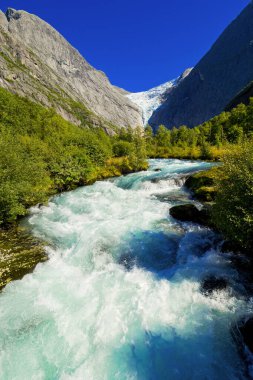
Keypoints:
(137, 43)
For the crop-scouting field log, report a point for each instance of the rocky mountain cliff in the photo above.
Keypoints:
(37, 62)
(217, 78)
(150, 100)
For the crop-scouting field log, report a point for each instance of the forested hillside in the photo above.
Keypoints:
(208, 141)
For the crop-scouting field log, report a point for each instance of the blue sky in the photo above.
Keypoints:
(137, 43)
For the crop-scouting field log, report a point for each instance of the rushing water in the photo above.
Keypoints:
(120, 297)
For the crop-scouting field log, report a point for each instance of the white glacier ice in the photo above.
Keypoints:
(152, 99)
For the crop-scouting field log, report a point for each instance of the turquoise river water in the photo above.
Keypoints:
(120, 297)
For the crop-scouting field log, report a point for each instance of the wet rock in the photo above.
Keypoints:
(212, 284)
(20, 252)
(198, 180)
(190, 213)
(155, 180)
(246, 330)
(157, 170)
(173, 197)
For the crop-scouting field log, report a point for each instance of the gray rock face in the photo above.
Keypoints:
(36, 61)
(217, 78)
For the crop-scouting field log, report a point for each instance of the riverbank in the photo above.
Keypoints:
(204, 187)
(20, 251)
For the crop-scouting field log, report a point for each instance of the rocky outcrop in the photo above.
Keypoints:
(37, 62)
(215, 80)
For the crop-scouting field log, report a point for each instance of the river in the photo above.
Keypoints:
(120, 297)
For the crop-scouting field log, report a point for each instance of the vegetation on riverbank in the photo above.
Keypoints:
(203, 184)
(41, 154)
(232, 211)
(229, 191)
(211, 140)
(226, 137)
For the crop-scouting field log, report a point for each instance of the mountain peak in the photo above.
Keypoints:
(12, 13)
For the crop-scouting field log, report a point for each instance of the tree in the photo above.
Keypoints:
(163, 136)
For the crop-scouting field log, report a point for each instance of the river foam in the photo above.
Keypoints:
(120, 296)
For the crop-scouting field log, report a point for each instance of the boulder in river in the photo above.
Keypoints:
(212, 284)
(190, 213)
(246, 330)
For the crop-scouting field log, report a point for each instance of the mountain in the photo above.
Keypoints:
(150, 100)
(37, 62)
(243, 97)
(221, 74)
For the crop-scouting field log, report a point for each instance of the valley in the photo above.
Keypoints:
(126, 218)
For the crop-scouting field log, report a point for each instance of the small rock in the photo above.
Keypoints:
(157, 170)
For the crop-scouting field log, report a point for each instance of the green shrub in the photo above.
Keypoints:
(122, 148)
(233, 209)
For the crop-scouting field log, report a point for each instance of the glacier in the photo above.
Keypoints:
(149, 101)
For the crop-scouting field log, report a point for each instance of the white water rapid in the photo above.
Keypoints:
(120, 297)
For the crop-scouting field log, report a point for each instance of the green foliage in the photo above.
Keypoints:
(163, 136)
(207, 141)
(233, 209)
(134, 144)
(205, 151)
(122, 148)
(23, 176)
(41, 153)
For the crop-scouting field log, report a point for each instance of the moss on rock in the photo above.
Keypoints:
(202, 184)
(19, 254)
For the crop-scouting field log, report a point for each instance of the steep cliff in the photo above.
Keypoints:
(215, 80)
(37, 62)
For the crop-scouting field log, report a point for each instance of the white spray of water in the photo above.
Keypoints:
(120, 296)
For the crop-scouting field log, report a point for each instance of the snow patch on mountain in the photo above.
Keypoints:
(152, 99)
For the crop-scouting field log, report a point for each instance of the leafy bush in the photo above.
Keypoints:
(23, 176)
(122, 148)
(233, 209)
